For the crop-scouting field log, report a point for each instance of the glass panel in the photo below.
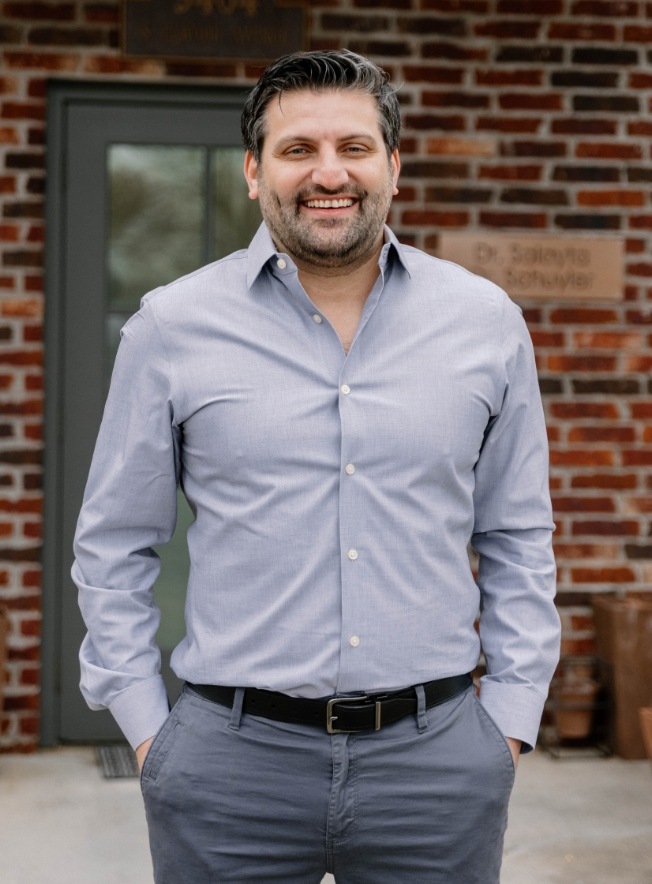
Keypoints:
(157, 232)
(156, 218)
(235, 217)
(161, 227)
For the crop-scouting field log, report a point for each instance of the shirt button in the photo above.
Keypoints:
(281, 263)
(350, 469)
(345, 389)
(317, 318)
(354, 641)
(353, 554)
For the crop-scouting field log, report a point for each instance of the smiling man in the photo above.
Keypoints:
(345, 415)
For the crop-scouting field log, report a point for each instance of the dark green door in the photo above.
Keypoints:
(144, 185)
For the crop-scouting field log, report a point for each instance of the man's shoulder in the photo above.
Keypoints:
(221, 276)
(444, 279)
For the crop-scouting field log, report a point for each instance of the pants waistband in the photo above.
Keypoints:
(338, 714)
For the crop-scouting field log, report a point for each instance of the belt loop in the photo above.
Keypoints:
(422, 715)
(236, 709)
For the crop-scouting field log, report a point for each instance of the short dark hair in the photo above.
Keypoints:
(334, 69)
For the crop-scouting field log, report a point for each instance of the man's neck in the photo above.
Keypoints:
(341, 295)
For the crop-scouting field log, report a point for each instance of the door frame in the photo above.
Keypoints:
(63, 96)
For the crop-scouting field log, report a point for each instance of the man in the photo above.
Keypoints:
(345, 415)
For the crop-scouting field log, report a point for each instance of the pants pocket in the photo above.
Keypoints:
(160, 750)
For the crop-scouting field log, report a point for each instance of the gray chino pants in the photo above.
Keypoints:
(237, 798)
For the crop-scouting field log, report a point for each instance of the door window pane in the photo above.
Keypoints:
(235, 217)
(156, 218)
(172, 209)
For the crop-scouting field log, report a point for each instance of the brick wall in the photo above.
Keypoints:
(519, 114)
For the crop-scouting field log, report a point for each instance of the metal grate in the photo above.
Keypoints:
(117, 761)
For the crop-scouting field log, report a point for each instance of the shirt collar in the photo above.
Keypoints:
(262, 249)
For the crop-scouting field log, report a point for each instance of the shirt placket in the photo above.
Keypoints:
(352, 544)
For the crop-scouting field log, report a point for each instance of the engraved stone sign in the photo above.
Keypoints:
(541, 266)
(255, 30)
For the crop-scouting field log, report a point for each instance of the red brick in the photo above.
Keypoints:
(640, 222)
(637, 34)
(42, 61)
(617, 528)
(419, 217)
(582, 315)
(31, 579)
(547, 339)
(583, 504)
(583, 126)
(606, 8)
(600, 198)
(640, 81)
(581, 458)
(603, 575)
(637, 458)
(530, 101)
(460, 147)
(9, 135)
(524, 220)
(641, 410)
(509, 124)
(433, 74)
(638, 505)
(499, 77)
(639, 127)
(16, 110)
(102, 13)
(40, 11)
(525, 172)
(507, 30)
(609, 150)
(9, 233)
(586, 550)
(585, 31)
(579, 410)
(575, 363)
(609, 340)
(602, 434)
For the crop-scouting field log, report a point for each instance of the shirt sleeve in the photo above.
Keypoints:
(519, 624)
(129, 506)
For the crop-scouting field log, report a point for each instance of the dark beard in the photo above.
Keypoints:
(290, 232)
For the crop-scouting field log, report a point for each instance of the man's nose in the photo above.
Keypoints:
(330, 171)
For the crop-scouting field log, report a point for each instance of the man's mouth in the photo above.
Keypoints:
(343, 203)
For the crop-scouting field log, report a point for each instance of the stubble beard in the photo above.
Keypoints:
(327, 243)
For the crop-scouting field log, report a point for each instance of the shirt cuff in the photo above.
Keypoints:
(516, 709)
(141, 710)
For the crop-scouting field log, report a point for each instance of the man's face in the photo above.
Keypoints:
(324, 180)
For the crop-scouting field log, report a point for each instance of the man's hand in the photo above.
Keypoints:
(141, 752)
(515, 749)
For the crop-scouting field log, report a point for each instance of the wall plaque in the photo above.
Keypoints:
(255, 30)
(544, 266)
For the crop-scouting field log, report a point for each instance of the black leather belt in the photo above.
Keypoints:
(340, 715)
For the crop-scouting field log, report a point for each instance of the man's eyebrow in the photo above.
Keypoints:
(298, 138)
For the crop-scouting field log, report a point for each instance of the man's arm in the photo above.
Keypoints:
(129, 507)
(519, 624)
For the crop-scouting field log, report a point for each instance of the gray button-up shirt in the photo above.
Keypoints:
(334, 495)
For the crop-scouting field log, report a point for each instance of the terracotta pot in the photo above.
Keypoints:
(574, 710)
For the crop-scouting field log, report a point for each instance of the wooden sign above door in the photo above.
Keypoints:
(249, 30)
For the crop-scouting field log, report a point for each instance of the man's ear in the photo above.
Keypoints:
(395, 165)
(251, 174)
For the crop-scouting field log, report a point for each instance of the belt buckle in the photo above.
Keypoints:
(330, 718)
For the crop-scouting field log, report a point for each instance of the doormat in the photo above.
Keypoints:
(117, 760)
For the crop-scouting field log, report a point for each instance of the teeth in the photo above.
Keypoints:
(329, 204)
